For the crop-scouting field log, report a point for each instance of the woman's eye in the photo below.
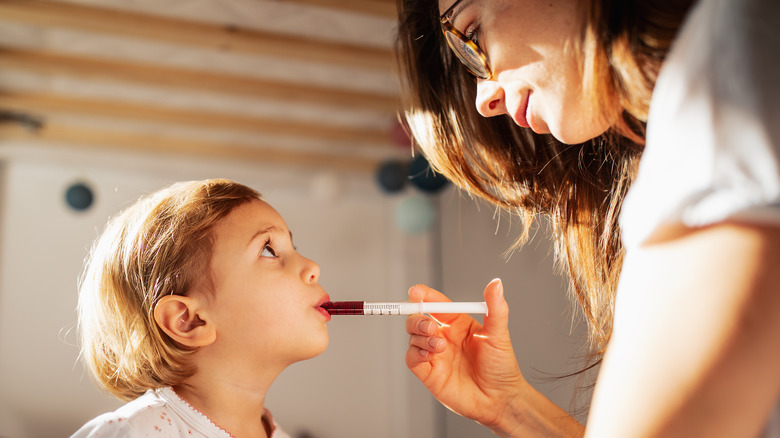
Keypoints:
(268, 252)
(473, 35)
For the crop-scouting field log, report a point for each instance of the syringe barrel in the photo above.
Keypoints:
(444, 307)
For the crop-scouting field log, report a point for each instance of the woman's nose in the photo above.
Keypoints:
(490, 98)
(311, 271)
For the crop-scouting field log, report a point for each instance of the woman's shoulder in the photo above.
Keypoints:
(725, 59)
(727, 51)
(713, 141)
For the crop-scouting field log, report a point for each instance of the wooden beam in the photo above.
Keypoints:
(205, 35)
(48, 103)
(174, 77)
(159, 144)
(381, 8)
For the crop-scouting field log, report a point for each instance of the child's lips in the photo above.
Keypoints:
(325, 299)
(324, 313)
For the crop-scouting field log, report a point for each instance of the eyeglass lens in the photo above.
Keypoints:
(467, 55)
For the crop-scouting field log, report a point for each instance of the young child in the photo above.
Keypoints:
(193, 300)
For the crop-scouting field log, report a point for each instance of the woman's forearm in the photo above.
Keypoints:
(531, 414)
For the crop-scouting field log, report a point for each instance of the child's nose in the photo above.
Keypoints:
(311, 271)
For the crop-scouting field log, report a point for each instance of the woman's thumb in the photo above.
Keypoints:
(496, 323)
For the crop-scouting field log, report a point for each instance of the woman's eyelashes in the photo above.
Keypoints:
(470, 25)
(472, 33)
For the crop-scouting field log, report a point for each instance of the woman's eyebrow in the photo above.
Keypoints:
(460, 7)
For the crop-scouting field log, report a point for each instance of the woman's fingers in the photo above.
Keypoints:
(421, 325)
(433, 344)
(422, 338)
(497, 319)
(423, 342)
(415, 357)
(421, 292)
(422, 349)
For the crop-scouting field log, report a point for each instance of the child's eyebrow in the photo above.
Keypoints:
(268, 230)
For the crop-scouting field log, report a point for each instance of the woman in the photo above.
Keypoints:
(671, 258)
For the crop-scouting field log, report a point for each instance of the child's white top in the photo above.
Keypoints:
(159, 412)
(713, 132)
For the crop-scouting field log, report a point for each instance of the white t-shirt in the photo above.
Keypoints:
(713, 131)
(159, 412)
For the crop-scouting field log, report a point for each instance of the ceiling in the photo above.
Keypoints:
(310, 82)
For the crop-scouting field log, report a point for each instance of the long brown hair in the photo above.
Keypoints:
(161, 245)
(579, 187)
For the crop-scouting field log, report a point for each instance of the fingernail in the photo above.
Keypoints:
(500, 287)
(424, 326)
(423, 352)
(435, 342)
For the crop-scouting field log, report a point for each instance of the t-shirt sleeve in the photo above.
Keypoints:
(713, 135)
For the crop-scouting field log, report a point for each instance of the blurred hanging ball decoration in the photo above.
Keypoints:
(79, 196)
(424, 177)
(415, 214)
(391, 176)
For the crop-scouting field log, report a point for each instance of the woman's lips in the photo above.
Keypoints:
(521, 115)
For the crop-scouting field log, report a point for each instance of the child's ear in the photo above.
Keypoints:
(180, 318)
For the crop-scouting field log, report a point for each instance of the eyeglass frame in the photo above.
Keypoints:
(447, 26)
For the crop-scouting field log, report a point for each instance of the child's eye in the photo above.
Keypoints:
(268, 252)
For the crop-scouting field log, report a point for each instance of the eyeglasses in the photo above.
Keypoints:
(463, 47)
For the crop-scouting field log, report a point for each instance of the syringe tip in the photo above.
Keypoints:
(344, 307)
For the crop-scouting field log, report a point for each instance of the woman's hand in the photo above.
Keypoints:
(469, 367)
(472, 369)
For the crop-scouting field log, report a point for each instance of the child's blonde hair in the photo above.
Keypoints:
(159, 246)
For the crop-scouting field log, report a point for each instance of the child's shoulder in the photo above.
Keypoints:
(127, 421)
(154, 412)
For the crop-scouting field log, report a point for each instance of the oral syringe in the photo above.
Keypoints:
(402, 308)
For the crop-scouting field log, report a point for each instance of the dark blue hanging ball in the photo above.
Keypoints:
(79, 196)
(424, 177)
(391, 176)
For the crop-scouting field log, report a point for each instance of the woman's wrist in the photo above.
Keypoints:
(531, 414)
(509, 422)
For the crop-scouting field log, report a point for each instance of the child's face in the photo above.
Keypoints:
(267, 296)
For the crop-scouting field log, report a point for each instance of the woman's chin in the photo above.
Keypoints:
(578, 134)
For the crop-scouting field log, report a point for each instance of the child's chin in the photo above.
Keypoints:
(316, 350)
(324, 347)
